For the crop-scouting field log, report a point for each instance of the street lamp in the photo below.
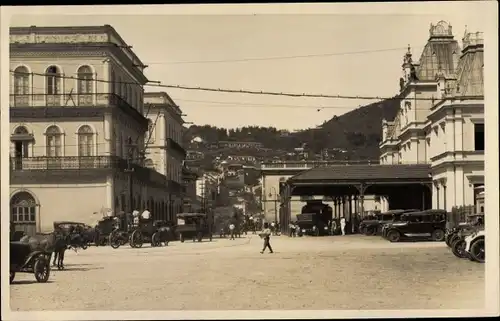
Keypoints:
(276, 195)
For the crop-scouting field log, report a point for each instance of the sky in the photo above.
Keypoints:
(349, 54)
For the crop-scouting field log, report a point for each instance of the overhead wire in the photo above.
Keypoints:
(240, 91)
(331, 54)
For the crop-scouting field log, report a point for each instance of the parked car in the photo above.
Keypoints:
(475, 246)
(455, 237)
(418, 225)
(374, 226)
(311, 224)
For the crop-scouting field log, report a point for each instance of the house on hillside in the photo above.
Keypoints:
(441, 116)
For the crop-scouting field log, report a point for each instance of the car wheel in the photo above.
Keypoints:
(41, 269)
(393, 236)
(458, 249)
(477, 251)
(438, 235)
(370, 231)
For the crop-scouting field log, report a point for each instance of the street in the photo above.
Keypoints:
(349, 272)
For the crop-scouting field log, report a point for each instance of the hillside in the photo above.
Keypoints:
(358, 132)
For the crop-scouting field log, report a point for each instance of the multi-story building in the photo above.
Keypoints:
(441, 118)
(77, 128)
(163, 142)
(207, 189)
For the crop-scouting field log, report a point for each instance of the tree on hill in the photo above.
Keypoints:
(357, 131)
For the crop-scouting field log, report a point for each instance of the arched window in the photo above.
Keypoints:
(53, 141)
(22, 211)
(53, 86)
(149, 163)
(21, 86)
(85, 85)
(85, 141)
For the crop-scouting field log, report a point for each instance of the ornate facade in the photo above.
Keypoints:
(441, 118)
(77, 128)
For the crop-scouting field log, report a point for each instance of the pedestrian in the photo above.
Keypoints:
(273, 227)
(231, 230)
(266, 235)
(342, 225)
(334, 227)
(292, 229)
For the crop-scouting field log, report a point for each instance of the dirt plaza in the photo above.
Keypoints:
(349, 272)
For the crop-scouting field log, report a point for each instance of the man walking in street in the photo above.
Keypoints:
(266, 235)
(231, 230)
(342, 225)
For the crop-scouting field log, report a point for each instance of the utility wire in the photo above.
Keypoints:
(241, 91)
(248, 59)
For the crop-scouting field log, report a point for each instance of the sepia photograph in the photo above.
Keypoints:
(315, 160)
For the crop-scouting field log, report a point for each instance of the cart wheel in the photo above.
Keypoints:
(114, 241)
(155, 240)
(181, 238)
(41, 269)
(136, 238)
(200, 237)
(11, 277)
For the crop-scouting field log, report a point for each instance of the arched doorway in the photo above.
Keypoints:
(23, 213)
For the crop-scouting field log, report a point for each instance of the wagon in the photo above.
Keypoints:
(84, 232)
(150, 231)
(24, 260)
(194, 226)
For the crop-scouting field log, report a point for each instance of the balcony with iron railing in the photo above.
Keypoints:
(81, 163)
(76, 100)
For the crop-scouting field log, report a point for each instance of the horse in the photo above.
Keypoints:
(166, 234)
(48, 243)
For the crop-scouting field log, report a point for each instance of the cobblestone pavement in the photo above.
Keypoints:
(340, 272)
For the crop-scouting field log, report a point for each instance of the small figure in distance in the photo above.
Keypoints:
(231, 230)
(266, 235)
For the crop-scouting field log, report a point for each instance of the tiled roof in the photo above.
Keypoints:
(470, 81)
(364, 172)
(438, 56)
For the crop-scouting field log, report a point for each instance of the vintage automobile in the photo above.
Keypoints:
(193, 226)
(151, 231)
(374, 226)
(475, 246)
(476, 219)
(417, 225)
(311, 224)
(455, 237)
(24, 260)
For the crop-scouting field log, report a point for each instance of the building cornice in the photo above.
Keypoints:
(77, 50)
(438, 113)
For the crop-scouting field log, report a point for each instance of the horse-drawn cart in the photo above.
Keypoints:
(78, 235)
(24, 260)
(150, 231)
(194, 226)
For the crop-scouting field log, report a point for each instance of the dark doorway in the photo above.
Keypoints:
(20, 152)
(479, 137)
